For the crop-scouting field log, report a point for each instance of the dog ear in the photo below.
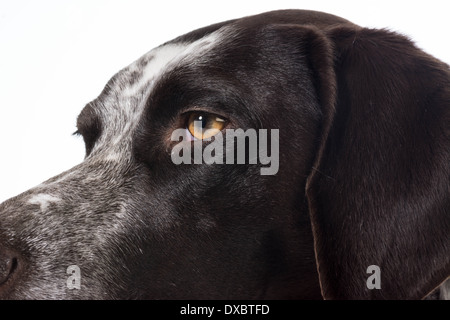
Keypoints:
(378, 193)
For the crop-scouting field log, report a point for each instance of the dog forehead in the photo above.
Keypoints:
(121, 104)
(138, 79)
(146, 70)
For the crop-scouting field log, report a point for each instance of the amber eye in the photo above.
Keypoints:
(203, 125)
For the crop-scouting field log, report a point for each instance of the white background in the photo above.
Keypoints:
(55, 56)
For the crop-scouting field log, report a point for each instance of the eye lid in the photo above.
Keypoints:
(185, 115)
(188, 115)
(212, 124)
(89, 126)
(209, 111)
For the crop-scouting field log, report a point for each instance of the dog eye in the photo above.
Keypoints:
(203, 125)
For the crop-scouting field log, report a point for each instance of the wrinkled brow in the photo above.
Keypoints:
(89, 126)
(87, 118)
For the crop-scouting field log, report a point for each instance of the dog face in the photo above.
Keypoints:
(135, 225)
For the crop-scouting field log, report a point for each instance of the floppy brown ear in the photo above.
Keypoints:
(379, 190)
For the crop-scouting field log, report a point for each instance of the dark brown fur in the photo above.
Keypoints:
(364, 177)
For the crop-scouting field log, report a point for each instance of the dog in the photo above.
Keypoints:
(359, 207)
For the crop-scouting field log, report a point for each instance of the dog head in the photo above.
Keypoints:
(362, 176)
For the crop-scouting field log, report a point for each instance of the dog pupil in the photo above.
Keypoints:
(203, 120)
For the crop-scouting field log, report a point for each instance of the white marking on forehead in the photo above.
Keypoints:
(124, 113)
(43, 200)
(159, 58)
(163, 57)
